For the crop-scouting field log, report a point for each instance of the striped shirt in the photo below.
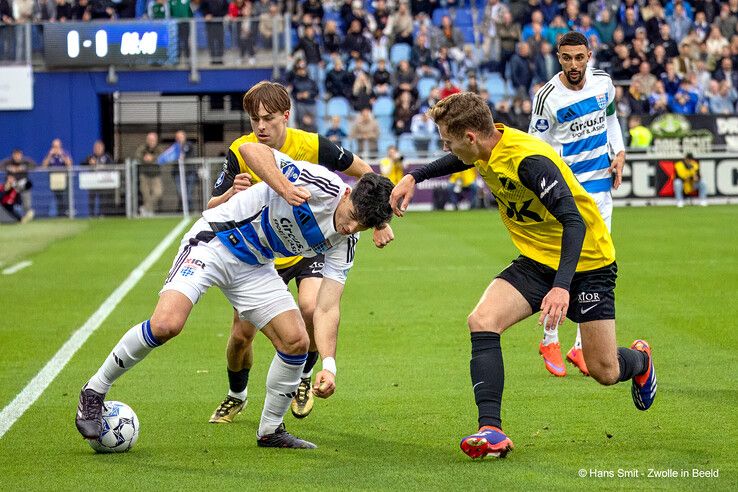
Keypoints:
(574, 123)
(257, 225)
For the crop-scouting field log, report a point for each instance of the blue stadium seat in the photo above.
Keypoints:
(463, 18)
(400, 52)
(438, 14)
(385, 124)
(338, 106)
(383, 106)
(424, 87)
(468, 32)
(406, 145)
(496, 86)
(384, 142)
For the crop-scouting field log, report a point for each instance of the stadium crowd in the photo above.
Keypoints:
(396, 58)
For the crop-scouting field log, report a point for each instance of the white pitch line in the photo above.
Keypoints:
(17, 267)
(16, 408)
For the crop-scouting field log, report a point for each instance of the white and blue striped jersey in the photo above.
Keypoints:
(257, 225)
(575, 124)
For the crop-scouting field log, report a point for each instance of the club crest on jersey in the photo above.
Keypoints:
(322, 246)
(541, 125)
(220, 179)
(291, 172)
(602, 101)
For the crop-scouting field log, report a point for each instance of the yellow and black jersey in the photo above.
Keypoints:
(539, 200)
(300, 146)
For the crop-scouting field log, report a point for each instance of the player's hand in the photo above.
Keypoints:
(241, 182)
(295, 195)
(554, 308)
(325, 384)
(616, 166)
(382, 237)
(402, 194)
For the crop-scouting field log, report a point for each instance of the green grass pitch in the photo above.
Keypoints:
(404, 396)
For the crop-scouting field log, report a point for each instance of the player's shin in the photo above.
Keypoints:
(488, 376)
(130, 349)
(312, 358)
(632, 363)
(281, 384)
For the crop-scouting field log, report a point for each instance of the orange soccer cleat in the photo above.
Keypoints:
(551, 354)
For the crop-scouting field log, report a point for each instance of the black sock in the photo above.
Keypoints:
(632, 363)
(238, 380)
(488, 376)
(310, 362)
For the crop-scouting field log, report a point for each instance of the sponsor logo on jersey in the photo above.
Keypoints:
(285, 229)
(290, 171)
(194, 263)
(602, 101)
(578, 126)
(541, 125)
(220, 179)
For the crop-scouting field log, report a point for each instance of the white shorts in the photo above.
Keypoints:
(603, 199)
(257, 292)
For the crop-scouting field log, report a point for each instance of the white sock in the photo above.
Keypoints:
(550, 336)
(578, 341)
(131, 348)
(281, 385)
(241, 395)
(307, 374)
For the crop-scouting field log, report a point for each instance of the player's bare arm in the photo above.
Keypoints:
(240, 182)
(261, 160)
(325, 320)
(381, 236)
(402, 194)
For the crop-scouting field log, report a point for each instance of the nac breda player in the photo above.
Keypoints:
(575, 113)
(268, 106)
(566, 267)
(233, 246)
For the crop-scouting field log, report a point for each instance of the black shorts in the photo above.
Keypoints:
(305, 268)
(591, 295)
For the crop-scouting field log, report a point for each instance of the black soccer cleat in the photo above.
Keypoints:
(89, 413)
(283, 439)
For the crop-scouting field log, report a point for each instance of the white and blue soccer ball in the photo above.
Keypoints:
(120, 429)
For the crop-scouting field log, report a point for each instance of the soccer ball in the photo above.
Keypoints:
(120, 429)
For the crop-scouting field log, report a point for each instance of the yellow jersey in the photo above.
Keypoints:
(533, 229)
(299, 145)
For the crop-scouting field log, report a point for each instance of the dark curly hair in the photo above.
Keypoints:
(370, 197)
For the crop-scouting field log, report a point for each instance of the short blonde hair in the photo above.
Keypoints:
(461, 112)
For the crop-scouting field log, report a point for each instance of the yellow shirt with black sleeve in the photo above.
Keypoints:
(688, 171)
(299, 145)
(549, 216)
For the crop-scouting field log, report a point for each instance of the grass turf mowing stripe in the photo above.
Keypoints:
(15, 409)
